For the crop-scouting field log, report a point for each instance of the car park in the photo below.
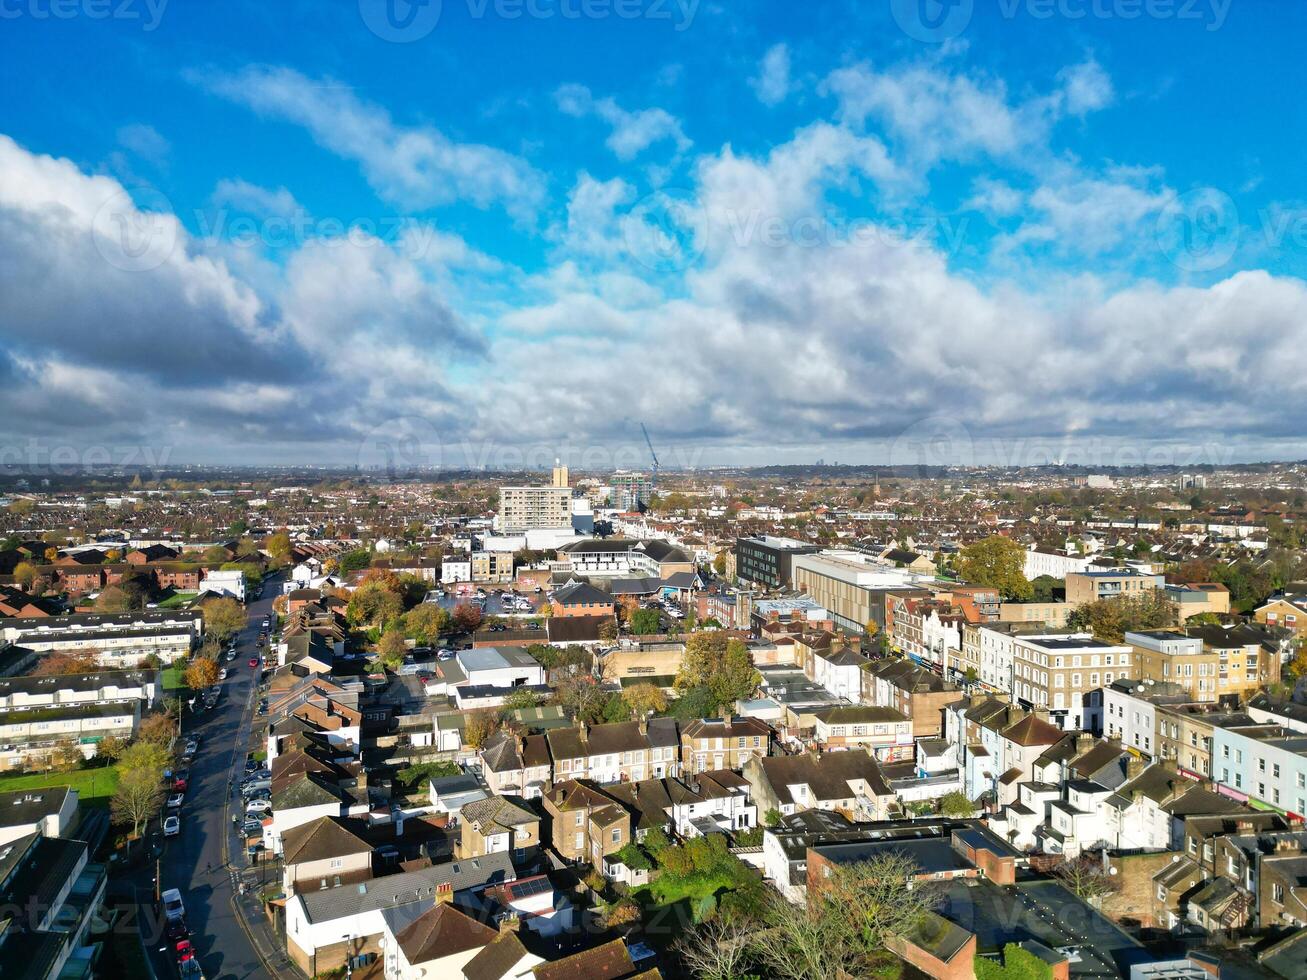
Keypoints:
(172, 826)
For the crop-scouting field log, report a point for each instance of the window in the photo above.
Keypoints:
(580, 817)
(1277, 893)
(580, 840)
(617, 835)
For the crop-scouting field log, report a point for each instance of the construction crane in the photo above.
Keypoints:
(649, 443)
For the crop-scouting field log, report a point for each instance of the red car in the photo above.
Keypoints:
(185, 951)
(254, 661)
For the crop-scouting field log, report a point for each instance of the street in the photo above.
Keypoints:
(196, 861)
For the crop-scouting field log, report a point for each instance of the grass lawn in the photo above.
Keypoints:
(178, 600)
(668, 890)
(173, 682)
(94, 786)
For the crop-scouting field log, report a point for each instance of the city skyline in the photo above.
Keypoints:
(1011, 236)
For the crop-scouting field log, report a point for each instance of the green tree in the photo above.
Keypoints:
(373, 605)
(644, 622)
(1110, 619)
(737, 677)
(956, 804)
(425, 622)
(391, 650)
(279, 547)
(998, 563)
(25, 574)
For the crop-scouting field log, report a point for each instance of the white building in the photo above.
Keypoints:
(230, 583)
(1053, 564)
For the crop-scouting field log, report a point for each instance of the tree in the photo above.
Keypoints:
(159, 729)
(871, 628)
(223, 619)
(66, 757)
(391, 650)
(704, 654)
(640, 699)
(25, 574)
(374, 605)
(201, 673)
(480, 725)
(956, 804)
(279, 547)
(1046, 588)
(997, 563)
(62, 662)
(1087, 878)
(1296, 669)
(111, 748)
(719, 563)
(736, 677)
(139, 795)
(578, 687)
(425, 622)
(119, 599)
(1110, 619)
(608, 631)
(644, 622)
(137, 799)
(848, 917)
(467, 617)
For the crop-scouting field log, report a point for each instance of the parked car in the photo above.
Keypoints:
(173, 908)
(172, 826)
(180, 780)
(254, 661)
(231, 655)
(222, 674)
(192, 746)
(175, 801)
(184, 951)
(258, 806)
(252, 827)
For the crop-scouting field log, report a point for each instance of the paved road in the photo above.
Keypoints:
(196, 860)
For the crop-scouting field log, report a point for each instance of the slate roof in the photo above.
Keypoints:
(405, 889)
(826, 775)
(611, 961)
(26, 806)
(496, 811)
(1032, 730)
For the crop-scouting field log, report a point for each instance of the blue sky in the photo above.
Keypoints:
(494, 231)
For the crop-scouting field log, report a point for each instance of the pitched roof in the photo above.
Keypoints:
(495, 960)
(320, 839)
(443, 931)
(1033, 730)
(496, 812)
(611, 961)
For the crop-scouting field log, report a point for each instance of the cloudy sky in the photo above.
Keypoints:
(490, 232)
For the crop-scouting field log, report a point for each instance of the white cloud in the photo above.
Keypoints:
(772, 83)
(244, 196)
(935, 115)
(146, 142)
(415, 167)
(631, 131)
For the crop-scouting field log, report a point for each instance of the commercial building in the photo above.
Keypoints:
(853, 586)
(766, 561)
(1210, 662)
(1065, 673)
(1263, 764)
(1089, 586)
